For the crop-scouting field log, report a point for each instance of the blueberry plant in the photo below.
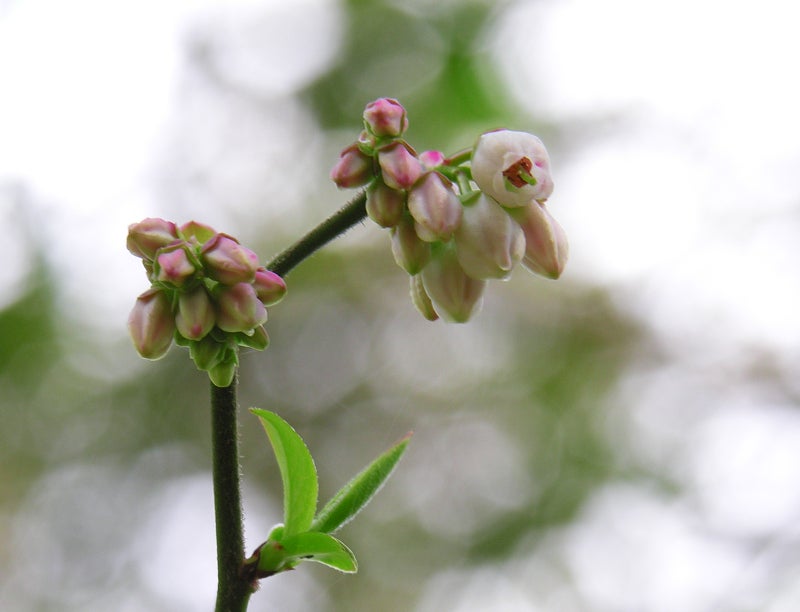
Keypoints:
(456, 222)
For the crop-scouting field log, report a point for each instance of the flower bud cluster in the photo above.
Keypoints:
(208, 293)
(453, 226)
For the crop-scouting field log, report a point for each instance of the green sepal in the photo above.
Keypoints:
(298, 473)
(207, 353)
(352, 497)
(223, 373)
(257, 339)
(276, 556)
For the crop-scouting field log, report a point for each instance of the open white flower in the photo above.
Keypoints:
(512, 167)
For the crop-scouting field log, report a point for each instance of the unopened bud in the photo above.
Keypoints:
(489, 243)
(409, 251)
(195, 316)
(399, 166)
(149, 235)
(421, 299)
(385, 205)
(546, 245)
(227, 261)
(239, 308)
(435, 207)
(173, 265)
(353, 168)
(385, 117)
(270, 288)
(455, 295)
(512, 167)
(431, 159)
(151, 324)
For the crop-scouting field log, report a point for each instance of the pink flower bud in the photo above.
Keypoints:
(149, 235)
(421, 299)
(455, 295)
(270, 288)
(173, 265)
(431, 159)
(512, 167)
(385, 205)
(151, 324)
(227, 261)
(239, 309)
(435, 207)
(195, 317)
(353, 168)
(399, 166)
(385, 117)
(546, 245)
(197, 233)
(409, 251)
(489, 243)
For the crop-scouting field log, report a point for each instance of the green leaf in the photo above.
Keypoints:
(297, 472)
(309, 546)
(352, 497)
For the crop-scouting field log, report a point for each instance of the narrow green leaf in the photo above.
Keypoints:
(297, 472)
(352, 497)
(308, 546)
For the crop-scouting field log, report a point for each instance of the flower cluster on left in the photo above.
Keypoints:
(207, 293)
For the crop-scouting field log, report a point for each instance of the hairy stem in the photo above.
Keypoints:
(338, 223)
(233, 589)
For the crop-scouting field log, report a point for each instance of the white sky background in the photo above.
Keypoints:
(687, 202)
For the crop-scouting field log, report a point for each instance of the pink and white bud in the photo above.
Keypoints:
(421, 300)
(196, 233)
(399, 166)
(455, 296)
(227, 261)
(409, 251)
(353, 168)
(435, 207)
(512, 167)
(195, 316)
(385, 117)
(385, 205)
(239, 309)
(489, 243)
(173, 265)
(270, 288)
(149, 235)
(546, 245)
(151, 324)
(431, 159)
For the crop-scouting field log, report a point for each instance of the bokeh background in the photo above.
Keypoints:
(627, 438)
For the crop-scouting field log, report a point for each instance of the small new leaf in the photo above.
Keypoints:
(279, 556)
(298, 473)
(352, 497)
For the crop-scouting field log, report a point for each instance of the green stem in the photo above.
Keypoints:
(233, 589)
(338, 223)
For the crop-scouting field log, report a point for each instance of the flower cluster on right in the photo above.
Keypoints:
(456, 222)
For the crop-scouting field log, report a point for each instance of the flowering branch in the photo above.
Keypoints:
(455, 223)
